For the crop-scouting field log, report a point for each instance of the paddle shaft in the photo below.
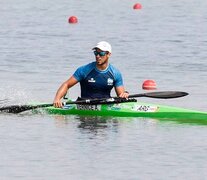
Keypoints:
(161, 95)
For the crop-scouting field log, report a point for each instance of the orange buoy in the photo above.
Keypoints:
(137, 6)
(149, 85)
(73, 19)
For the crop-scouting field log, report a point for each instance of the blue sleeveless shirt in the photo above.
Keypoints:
(95, 83)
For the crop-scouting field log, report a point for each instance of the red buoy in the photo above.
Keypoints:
(73, 19)
(137, 6)
(149, 85)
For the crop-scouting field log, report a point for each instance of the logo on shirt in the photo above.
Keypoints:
(110, 82)
(92, 80)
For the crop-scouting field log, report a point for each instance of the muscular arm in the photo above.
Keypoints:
(63, 90)
(120, 91)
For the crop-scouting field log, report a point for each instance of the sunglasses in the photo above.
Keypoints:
(102, 53)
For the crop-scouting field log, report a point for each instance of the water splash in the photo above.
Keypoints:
(14, 95)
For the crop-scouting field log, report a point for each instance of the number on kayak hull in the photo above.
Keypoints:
(94, 107)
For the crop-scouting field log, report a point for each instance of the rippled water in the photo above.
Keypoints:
(164, 41)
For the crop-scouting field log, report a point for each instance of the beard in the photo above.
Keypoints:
(102, 62)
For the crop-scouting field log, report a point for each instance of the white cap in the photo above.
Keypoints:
(104, 46)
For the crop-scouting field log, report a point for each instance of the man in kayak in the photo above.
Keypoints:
(96, 78)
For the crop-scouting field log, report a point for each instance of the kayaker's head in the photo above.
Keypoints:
(102, 52)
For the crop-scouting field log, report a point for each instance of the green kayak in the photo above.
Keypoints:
(130, 109)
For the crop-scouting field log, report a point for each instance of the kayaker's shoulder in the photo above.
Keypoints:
(114, 69)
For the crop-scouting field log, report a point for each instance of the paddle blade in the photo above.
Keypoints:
(20, 108)
(166, 94)
(15, 108)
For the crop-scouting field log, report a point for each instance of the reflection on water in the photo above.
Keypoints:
(87, 122)
(92, 123)
(185, 121)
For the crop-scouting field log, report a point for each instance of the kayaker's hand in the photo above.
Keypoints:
(57, 103)
(124, 95)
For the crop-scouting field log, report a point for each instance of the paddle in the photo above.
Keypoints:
(161, 95)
